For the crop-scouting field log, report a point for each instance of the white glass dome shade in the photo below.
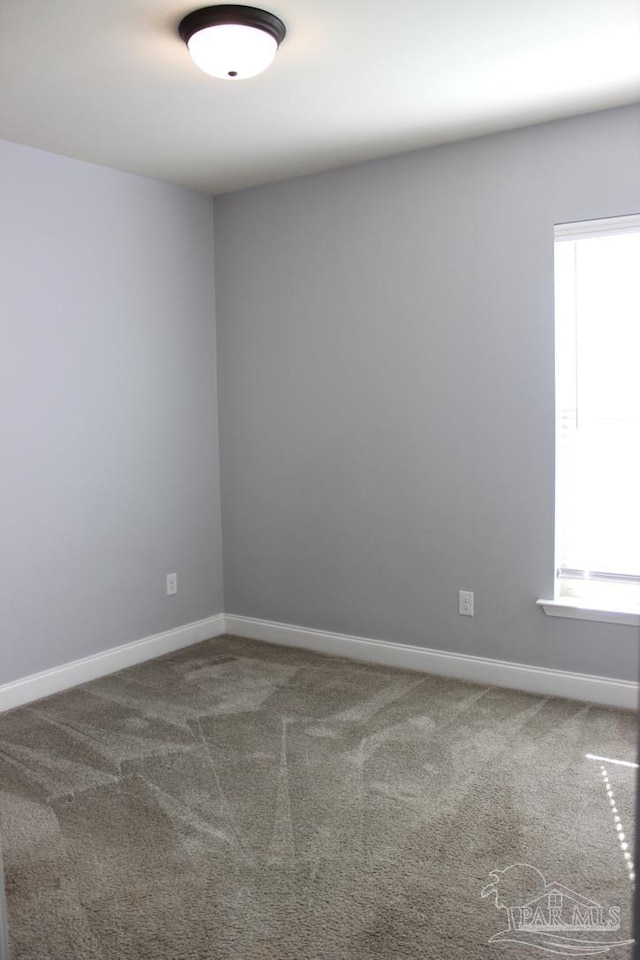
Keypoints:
(232, 42)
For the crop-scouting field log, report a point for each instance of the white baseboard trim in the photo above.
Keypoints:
(499, 673)
(39, 685)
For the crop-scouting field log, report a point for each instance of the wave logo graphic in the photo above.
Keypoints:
(549, 916)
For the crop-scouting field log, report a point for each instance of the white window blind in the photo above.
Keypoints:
(597, 296)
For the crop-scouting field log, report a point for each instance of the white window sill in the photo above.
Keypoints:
(587, 610)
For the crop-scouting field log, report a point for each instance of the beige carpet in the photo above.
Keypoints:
(237, 801)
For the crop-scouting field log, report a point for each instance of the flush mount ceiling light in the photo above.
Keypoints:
(230, 41)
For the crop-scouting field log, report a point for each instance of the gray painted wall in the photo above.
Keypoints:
(385, 338)
(108, 424)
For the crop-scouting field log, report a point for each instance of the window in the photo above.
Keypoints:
(597, 299)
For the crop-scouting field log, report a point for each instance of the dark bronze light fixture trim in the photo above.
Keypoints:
(227, 13)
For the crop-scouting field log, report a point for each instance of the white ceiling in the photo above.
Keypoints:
(111, 82)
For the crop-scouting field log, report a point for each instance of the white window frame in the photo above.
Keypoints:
(617, 611)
